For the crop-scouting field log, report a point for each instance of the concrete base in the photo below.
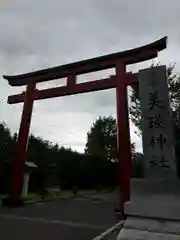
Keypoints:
(154, 218)
(153, 212)
(156, 206)
(149, 229)
(156, 199)
(155, 186)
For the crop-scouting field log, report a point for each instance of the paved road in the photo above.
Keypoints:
(61, 219)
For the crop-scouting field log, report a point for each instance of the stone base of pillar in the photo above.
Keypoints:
(156, 206)
(154, 198)
(153, 211)
(152, 218)
(136, 228)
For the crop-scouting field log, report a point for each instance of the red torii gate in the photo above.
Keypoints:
(120, 81)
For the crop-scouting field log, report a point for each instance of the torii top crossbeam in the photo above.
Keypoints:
(94, 64)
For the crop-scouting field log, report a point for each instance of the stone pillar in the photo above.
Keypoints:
(154, 207)
(158, 145)
(25, 184)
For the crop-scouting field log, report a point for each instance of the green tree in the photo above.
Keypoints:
(7, 144)
(137, 165)
(59, 166)
(102, 139)
(101, 147)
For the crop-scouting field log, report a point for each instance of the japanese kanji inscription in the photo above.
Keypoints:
(158, 144)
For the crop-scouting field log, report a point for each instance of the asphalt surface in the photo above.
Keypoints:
(60, 219)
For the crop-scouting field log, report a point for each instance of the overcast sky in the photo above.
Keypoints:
(39, 34)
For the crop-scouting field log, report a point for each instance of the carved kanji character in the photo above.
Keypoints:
(154, 100)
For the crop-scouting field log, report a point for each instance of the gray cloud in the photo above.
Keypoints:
(39, 34)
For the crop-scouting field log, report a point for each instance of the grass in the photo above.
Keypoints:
(33, 197)
(58, 194)
(64, 193)
(87, 191)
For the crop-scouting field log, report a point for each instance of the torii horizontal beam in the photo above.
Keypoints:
(71, 88)
(94, 64)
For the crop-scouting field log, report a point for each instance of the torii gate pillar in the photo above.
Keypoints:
(21, 145)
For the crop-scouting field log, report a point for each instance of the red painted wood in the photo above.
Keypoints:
(71, 80)
(131, 78)
(123, 134)
(20, 154)
(71, 89)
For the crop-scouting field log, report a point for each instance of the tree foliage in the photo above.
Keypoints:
(137, 166)
(63, 167)
(102, 139)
